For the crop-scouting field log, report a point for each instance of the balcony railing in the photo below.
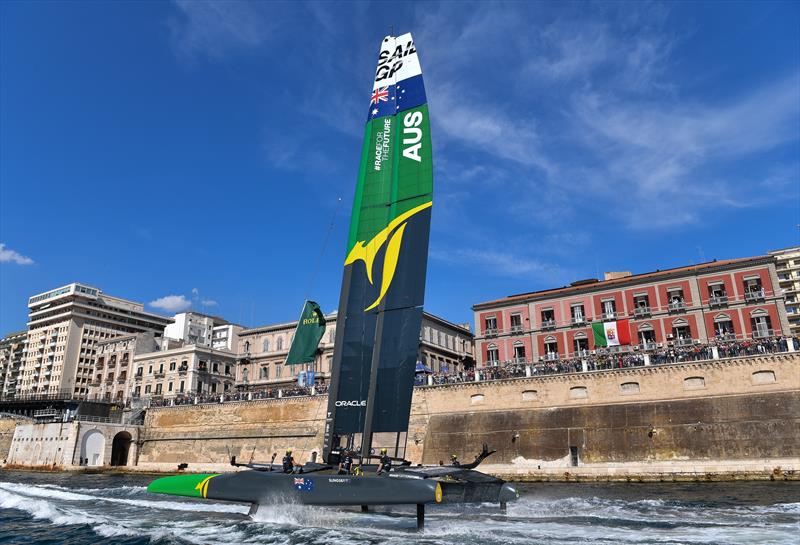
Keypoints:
(548, 324)
(516, 329)
(718, 301)
(725, 337)
(753, 296)
(640, 312)
(552, 356)
(763, 333)
(677, 306)
(183, 370)
(122, 380)
(159, 374)
(578, 320)
(137, 377)
(648, 345)
(490, 332)
(581, 353)
(609, 315)
(684, 342)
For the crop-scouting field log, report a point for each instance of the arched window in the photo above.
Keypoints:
(519, 352)
(245, 375)
(279, 344)
(492, 354)
(265, 372)
(646, 327)
(247, 346)
(266, 345)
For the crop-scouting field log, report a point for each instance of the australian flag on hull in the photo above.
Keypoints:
(380, 307)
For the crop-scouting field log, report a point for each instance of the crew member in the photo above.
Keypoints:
(454, 461)
(386, 463)
(346, 463)
(289, 464)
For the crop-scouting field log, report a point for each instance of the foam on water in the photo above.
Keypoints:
(544, 515)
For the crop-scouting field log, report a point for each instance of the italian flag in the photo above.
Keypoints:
(611, 333)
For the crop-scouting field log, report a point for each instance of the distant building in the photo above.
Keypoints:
(788, 268)
(718, 301)
(203, 330)
(12, 356)
(64, 327)
(114, 365)
(187, 369)
(444, 347)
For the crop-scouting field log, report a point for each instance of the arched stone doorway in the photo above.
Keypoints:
(120, 448)
(93, 447)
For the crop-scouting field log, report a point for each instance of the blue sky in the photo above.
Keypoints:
(190, 153)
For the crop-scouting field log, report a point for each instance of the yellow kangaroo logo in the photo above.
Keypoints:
(366, 251)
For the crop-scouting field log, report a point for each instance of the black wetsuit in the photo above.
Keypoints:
(456, 463)
(288, 464)
(347, 465)
(386, 462)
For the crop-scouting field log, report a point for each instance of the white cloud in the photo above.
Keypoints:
(217, 28)
(7, 255)
(208, 303)
(172, 303)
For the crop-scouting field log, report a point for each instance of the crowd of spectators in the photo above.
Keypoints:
(601, 360)
(598, 361)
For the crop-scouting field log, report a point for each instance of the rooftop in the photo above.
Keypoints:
(595, 285)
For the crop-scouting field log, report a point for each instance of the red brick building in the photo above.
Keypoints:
(719, 301)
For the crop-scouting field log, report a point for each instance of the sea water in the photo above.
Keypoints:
(40, 509)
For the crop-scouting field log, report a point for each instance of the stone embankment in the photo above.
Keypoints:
(713, 420)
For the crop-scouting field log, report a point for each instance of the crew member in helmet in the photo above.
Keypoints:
(386, 463)
(346, 463)
(289, 465)
(454, 461)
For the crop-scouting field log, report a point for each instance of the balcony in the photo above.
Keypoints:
(648, 345)
(159, 374)
(763, 333)
(677, 306)
(112, 364)
(578, 320)
(490, 332)
(609, 315)
(95, 383)
(137, 378)
(516, 329)
(684, 342)
(122, 380)
(522, 361)
(754, 296)
(551, 356)
(718, 301)
(581, 353)
(548, 325)
(183, 370)
(641, 312)
(110, 381)
(725, 337)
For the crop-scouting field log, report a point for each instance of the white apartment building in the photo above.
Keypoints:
(788, 268)
(114, 365)
(12, 354)
(64, 327)
(203, 330)
(188, 369)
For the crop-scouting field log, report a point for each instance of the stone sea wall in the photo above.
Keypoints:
(732, 417)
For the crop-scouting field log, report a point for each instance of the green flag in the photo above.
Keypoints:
(310, 329)
(599, 332)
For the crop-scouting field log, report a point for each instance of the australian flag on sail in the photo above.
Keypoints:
(382, 102)
(303, 484)
(410, 93)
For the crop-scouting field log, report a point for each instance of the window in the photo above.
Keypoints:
(332, 335)
(761, 324)
(147, 389)
(182, 386)
(551, 348)
(576, 310)
(519, 352)
(490, 325)
(647, 337)
(681, 332)
(516, 323)
(266, 345)
(492, 355)
(279, 343)
(169, 387)
(580, 344)
(150, 370)
(716, 294)
(215, 367)
(641, 305)
(278, 370)
(723, 328)
(264, 373)
(245, 375)
(548, 318)
(172, 365)
(247, 346)
(753, 290)
(609, 308)
(676, 300)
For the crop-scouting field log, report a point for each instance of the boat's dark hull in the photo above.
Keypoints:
(328, 488)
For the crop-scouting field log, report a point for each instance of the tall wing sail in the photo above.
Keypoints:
(380, 307)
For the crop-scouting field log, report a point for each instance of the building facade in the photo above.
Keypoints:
(788, 267)
(444, 347)
(191, 369)
(719, 301)
(64, 327)
(203, 330)
(12, 355)
(114, 365)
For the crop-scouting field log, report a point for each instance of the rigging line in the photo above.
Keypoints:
(322, 250)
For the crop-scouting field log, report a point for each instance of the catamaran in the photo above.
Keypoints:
(377, 334)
